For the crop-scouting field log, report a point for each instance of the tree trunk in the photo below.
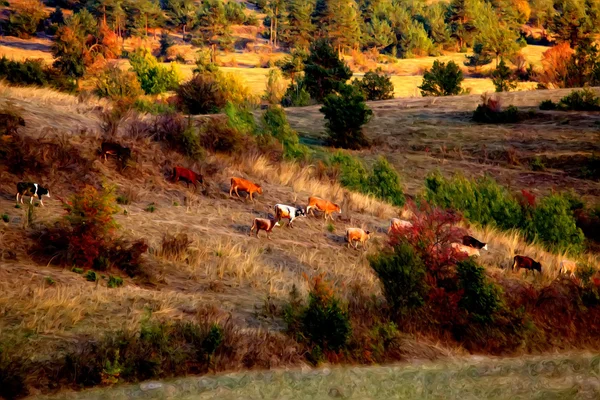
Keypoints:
(276, 13)
(271, 34)
(146, 25)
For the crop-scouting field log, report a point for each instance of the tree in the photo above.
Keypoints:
(323, 70)
(143, 15)
(442, 80)
(584, 66)
(342, 25)
(57, 16)
(574, 20)
(300, 29)
(165, 43)
(211, 20)
(293, 65)
(376, 85)
(495, 37)
(379, 34)
(555, 65)
(154, 78)
(346, 112)
(70, 48)
(502, 77)
(480, 298)
(181, 13)
(26, 17)
(384, 183)
(275, 88)
(460, 19)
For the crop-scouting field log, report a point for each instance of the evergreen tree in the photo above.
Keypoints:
(460, 19)
(26, 17)
(143, 15)
(211, 20)
(300, 29)
(573, 20)
(323, 70)
(502, 77)
(495, 38)
(342, 25)
(442, 80)
(181, 13)
(379, 34)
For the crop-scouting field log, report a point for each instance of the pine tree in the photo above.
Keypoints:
(342, 24)
(379, 34)
(181, 13)
(495, 38)
(460, 17)
(323, 70)
(502, 77)
(300, 29)
(211, 20)
(575, 20)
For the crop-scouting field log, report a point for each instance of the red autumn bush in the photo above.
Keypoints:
(555, 64)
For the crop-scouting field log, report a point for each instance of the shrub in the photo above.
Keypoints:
(482, 201)
(555, 62)
(77, 270)
(580, 100)
(537, 164)
(502, 78)
(324, 71)
(28, 72)
(553, 224)
(49, 281)
(295, 95)
(5, 218)
(154, 107)
(402, 276)
(275, 87)
(204, 62)
(218, 137)
(118, 85)
(442, 80)
(234, 89)
(165, 43)
(201, 95)
(12, 376)
(26, 17)
(384, 183)
(240, 119)
(480, 298)
(276, 124)
(91, 276)
(153, 77)
(114, 282)
(376, 85)
(127, 256)
(346, 113)
(353, 174)
(547, 105)
(150, 208)
(324, 322)
(490, 112)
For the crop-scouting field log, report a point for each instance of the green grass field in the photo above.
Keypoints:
(556, 377)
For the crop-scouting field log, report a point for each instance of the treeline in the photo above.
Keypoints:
(493, 28)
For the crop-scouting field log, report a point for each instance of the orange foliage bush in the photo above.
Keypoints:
(555, 62)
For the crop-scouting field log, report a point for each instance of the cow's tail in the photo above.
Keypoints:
(514, 263)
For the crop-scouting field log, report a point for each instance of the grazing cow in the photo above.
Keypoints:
(244, 185)
(461, 248)
(325, 206)
(187, 175)
(474, 243)
(266, 224)
(355, 235)
(567, 266)
(33, 190)
(115, 149)
(398, 224)
(291, 213)
(527, 263)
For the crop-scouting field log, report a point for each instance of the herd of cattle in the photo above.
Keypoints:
(469, 246)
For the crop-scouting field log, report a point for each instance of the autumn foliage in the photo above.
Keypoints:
(555, 64)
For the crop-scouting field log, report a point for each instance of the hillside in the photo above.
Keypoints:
(223, 271)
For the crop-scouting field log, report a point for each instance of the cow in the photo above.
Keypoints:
(186, 175)
(474, 243)
(115, 149)
(398, 224)
(526, 263)
(246, 186)
(325, 206)
(354, 235)
(461, 248)
(567, 266)
(266, 224)
(291, 213)
(33, 190)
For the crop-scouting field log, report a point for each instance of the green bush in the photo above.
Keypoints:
(353, 174)
(28, 72)
(77, 270)
(480, 298)
(442, 80)
(204, 62)
(91, 276)
(201, 95)
(384, 183)
(553, 224)
(276, 124)
(375, 85)
(118, 85)
(482, 201)
(323, 322)
(5, 218)
(295, 95)
(503, 79)
(346, 112)
(26, 17)
(489, 112)
(153, 77)
(240, 118)
(114, 281)
(537, 164)
(548, 105)
(580, 100)
(165, 42)
(402, 276)
(153, 107)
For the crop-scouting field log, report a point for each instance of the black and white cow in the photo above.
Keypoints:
(474, 243)
(289, 212)
(33, 190)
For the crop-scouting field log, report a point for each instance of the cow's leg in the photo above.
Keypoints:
(231, 191)
(236, 192)
(17, 197)
(250, 195)
(31, 200)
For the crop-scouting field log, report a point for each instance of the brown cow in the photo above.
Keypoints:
(468, 250)
(266, 224)
(115, 149)
(244, 185)
(186, 175)
(325, 206)
(398, 224)
(355, 235)
(527, 263)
